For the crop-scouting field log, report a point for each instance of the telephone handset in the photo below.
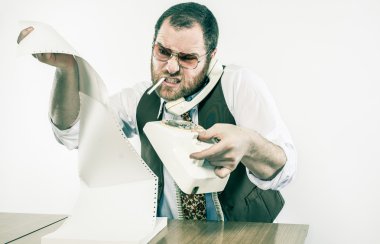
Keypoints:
(181, 106)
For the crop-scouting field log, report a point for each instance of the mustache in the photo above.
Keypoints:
(177, 74)
(171, 76)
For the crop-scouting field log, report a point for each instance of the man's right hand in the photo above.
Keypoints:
(65, 105)
(65, 62)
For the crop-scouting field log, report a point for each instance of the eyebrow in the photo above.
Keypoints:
(195, 54)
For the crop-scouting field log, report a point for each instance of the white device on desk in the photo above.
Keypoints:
(174, 141)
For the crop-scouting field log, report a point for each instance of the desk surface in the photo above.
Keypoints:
(29, 228)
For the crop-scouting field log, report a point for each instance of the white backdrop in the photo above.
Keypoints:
(320, 59)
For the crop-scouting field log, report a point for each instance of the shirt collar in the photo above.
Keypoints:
(162, 103)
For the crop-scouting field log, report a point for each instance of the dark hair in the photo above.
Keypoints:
(184, 15)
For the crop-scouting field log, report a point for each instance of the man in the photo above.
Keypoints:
(253, 147)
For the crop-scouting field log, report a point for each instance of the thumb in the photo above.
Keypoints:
(24, 33)
(208, 134)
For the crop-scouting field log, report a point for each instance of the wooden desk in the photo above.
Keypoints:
(26, 226)
(29, 228)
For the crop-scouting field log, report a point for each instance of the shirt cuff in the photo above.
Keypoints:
(68, 137)
(283, 177)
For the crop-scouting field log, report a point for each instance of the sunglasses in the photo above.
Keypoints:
(185, 60)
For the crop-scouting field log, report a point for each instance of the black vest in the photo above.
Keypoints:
(241, 200)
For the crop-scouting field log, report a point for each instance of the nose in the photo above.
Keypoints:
(172, 65)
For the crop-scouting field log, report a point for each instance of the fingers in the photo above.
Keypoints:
(24, 33)
(209, 134)
(213, 151)
(224, 164)
(222, 172)
(44, 57)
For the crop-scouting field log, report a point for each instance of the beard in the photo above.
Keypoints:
(186, 86)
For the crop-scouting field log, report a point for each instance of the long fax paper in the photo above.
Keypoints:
(118, 197)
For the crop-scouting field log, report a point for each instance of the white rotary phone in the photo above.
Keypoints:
(175, 140)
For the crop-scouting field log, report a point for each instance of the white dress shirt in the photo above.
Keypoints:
(248, 100)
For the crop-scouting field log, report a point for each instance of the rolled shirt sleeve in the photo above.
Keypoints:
(253, 107)
(68, 137)
(283, 177)
(123, 104)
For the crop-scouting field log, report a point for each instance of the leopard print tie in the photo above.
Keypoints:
(193, 205)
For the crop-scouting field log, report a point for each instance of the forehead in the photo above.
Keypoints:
(188, 40)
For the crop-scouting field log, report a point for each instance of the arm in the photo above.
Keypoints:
(259, 140)
(64, 103)
(64, 107)
(263, 158)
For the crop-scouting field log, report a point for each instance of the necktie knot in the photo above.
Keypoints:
(186, 116)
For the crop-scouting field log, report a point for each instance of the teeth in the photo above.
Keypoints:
(174, 81)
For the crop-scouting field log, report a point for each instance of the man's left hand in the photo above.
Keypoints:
(233, 144)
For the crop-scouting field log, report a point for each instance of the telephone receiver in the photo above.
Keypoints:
(181, 106)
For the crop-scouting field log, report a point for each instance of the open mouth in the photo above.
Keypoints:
(172, 80)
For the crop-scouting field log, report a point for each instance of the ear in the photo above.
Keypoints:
(213, 53)
(153, 40)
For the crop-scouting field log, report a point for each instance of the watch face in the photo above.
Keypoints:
(186, 125)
